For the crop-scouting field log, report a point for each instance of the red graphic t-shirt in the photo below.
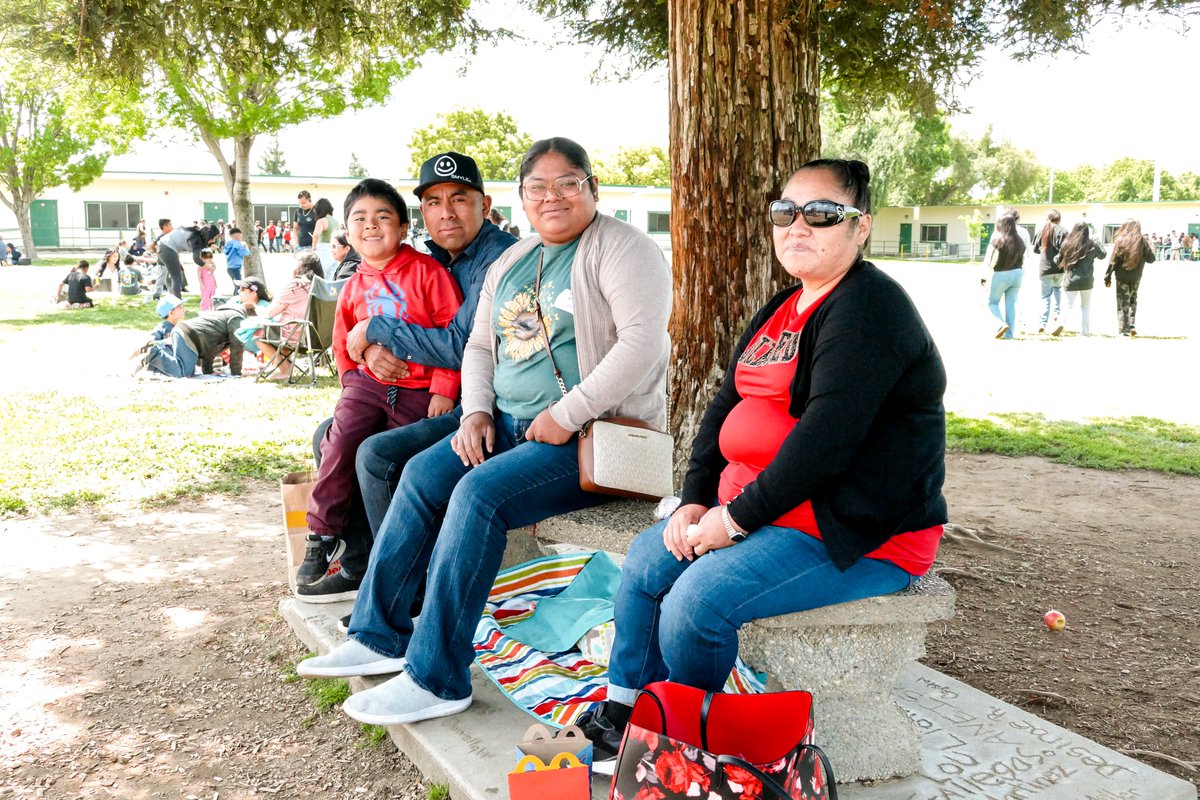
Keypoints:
(756, 427)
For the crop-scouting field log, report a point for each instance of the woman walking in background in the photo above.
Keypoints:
(1048, 243)
(1131, 253)
(1004, 260)
(322, 235)
(1077, 258)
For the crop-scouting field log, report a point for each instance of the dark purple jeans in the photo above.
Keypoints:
(362, 410)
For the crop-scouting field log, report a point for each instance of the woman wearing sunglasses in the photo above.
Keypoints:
(816, 475)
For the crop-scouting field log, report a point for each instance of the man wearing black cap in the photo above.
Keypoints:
(455, 208)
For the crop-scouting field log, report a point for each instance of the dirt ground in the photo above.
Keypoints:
(143, 656)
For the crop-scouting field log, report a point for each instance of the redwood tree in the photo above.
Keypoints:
(744, 81)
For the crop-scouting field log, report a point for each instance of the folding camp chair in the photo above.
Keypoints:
(308, 342)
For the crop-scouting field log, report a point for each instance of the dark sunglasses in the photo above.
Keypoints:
(817, 213)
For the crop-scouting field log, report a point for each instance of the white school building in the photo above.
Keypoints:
(941, 231)
(108, 209)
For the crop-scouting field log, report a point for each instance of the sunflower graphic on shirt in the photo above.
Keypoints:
(520, 329)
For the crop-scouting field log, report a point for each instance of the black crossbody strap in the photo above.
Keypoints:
(537, 309)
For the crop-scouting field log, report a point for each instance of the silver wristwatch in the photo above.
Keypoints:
(735, 535)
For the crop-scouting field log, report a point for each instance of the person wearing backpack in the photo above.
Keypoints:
(1131, 253)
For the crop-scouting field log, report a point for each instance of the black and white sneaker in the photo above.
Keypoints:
(344, 624)
(605, 727)
(319, 553)
(334, 587)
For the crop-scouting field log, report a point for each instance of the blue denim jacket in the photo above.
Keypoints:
(443, 347)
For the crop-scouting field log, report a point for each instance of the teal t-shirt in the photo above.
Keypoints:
(524, 380)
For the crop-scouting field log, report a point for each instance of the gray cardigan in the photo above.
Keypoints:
(621, 290)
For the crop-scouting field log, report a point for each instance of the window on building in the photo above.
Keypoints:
(933, 233)
(1110, 233)
(658, 222)
(112, 216)
(278, 213)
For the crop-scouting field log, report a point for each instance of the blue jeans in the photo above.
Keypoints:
(173, 357)
(519, 484)
(382, 457)
(679, 620)
(1006, 285)
(1051, 295)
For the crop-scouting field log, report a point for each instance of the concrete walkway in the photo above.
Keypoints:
(975, 747)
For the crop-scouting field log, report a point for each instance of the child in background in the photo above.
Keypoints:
(129, 277)
(235, 254)
(208, 279)
(393, 280)
(170, 308)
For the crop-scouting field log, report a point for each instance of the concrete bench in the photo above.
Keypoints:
(849, 656)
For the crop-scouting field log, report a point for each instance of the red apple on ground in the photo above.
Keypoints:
(1055, 620)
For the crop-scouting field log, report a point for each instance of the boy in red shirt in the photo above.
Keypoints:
(395, 281)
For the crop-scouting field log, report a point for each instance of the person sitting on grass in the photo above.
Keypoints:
(394, 280)
(78, 284)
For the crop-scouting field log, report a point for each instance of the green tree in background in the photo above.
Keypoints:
(634, 166)
(272, 162)
(228, 74)
(493, 140)
(356, 169)
(55, 129)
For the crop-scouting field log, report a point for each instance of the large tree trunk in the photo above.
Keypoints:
(237, 186)
(21, 210)
(745, 87)
(243, 208)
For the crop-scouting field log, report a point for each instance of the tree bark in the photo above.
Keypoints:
(21, 209)
(243, 209)
(237, 186)
(745, 90)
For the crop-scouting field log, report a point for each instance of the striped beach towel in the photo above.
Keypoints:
(553, 687)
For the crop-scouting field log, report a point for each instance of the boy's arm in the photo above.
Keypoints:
(343, 321)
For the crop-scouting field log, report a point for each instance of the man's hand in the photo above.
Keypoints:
(544, 429)
(384, 365)
(439, 405)
(476, 433)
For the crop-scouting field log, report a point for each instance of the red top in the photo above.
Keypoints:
(756, 427)
(412, 287)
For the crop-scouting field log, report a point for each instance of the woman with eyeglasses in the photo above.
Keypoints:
(597, 292)
(816, 474)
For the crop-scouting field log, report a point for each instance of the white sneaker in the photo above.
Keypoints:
(400, 701)
(350, 659)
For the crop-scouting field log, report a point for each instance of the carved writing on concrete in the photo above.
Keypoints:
(1002, 753)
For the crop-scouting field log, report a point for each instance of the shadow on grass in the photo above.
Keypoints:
(1109, 444)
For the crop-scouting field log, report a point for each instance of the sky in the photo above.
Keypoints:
(552, 90)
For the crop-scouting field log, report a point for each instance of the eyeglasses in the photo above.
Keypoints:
(817, 213)
(563, 187)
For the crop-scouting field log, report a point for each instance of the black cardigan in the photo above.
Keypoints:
(869, 444)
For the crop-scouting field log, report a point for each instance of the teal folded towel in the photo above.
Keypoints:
(559, 622)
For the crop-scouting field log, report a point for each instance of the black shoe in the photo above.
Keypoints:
(344, 624)
(319, 553)
(605, 727)
(335, 587)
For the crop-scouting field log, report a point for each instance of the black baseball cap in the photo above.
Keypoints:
(449, 167)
